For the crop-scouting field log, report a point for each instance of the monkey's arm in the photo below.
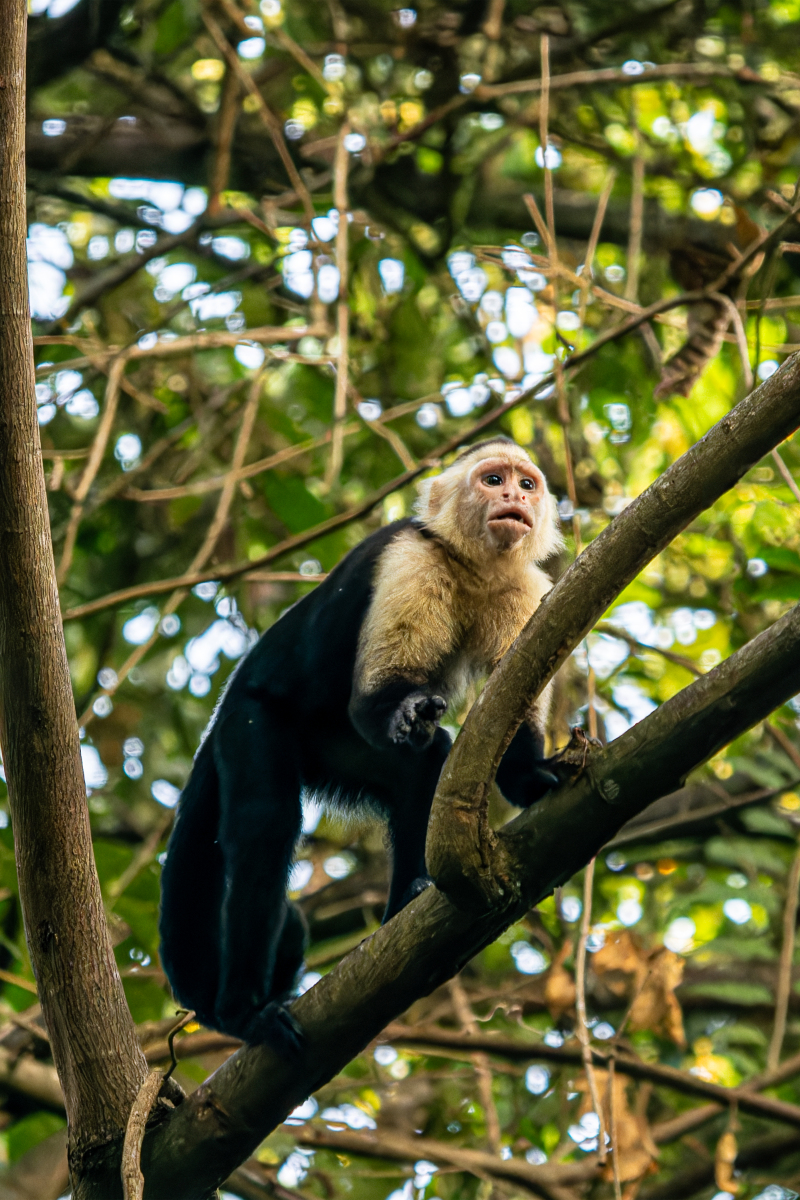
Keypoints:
(522, 776)
(406, 636)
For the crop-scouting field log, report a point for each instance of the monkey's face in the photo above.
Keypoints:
(509, 492)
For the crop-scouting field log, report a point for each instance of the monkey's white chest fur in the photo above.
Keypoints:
(433, 613)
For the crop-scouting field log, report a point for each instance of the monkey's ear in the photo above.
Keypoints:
(547, 535)
(430, 497)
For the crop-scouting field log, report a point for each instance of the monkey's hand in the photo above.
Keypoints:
(415, 719)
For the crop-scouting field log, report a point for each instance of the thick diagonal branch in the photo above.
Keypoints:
(431, 939)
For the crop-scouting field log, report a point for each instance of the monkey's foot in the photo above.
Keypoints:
(414, 888)
(572, 760)
(542, 781)
(273, 1024)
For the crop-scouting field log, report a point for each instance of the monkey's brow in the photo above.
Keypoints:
(494, 464)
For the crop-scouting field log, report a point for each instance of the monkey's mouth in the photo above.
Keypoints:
(515, 515)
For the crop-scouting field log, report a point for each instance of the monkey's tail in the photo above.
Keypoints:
(191, 893)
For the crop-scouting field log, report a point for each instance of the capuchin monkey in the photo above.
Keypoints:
(343, 697)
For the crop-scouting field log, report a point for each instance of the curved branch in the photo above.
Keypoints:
(458, 840)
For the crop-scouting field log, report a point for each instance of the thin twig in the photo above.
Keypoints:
(416, 131)
(493, 28)
(480, 1061)
(143, 398)
(56, 476)
(544, 137)
(765, 240)
(564, 420)
(775, 302)
(611, 301)
(539, 222)
(679, 659)
(785, 965)
(341, 163)
(280, 36)
(549, 1178)
(580, 1005)
(648, 830)
(611, 75)
(229, 487)
(207, 340)
(283, 577)
(130, 1168)
(299, 55)
(266, 114)
(636, 224)
(202, 486)
(159, 447)
(187, 1015)
(112, 277)
(93, 465)
(612, 1120)
(144, 854)
(741, 336)
(18, 981)
(381, 429)
(788, 747)
(63, 455)
(229, 109)
(786, 473)
(594, 238)
(746, 1094)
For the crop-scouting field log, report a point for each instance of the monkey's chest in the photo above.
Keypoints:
(487, 626)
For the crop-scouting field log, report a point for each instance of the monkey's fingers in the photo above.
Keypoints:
(431, 708)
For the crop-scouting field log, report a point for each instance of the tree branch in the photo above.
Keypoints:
(681, 1081)
(431, 939)
(616, 77)
(386, 1143)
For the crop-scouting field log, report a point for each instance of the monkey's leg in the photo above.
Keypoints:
(290, 951)
(408, 821)
(260, 820)
(191, 893)
(522, 776)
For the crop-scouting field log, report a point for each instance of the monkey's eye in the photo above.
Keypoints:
(492, 480)
(528, 485)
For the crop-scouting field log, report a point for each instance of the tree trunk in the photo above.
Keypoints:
(92, 1035)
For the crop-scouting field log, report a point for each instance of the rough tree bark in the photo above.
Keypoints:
(91, 1032)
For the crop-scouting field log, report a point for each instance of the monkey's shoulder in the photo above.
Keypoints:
(415, 562)
(310, 650)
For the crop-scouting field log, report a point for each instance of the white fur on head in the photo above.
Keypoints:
(458, 517)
